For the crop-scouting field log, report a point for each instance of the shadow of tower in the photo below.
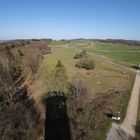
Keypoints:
(56, 125)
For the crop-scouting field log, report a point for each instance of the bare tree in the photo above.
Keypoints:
(33, 59)
(19, 117)
(10, 76)
(77, 103)
(78, 91)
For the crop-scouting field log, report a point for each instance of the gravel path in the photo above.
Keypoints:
(116, 133)
(126, 131)
(129, 122)
(108, 60)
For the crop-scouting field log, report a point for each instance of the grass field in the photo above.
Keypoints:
(104, 78)
(116, 51)
(95, 79)
(130, 58)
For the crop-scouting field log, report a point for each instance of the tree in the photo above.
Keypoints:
(10, 76)
(86, 62)
(77, 105)
(19, 116)
(32, 59)
(80, 55)
(60, 77)
(57, 80)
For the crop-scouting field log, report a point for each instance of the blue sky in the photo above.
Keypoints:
(70, 19)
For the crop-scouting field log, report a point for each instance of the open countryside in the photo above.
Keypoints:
(108, 85)
(70, 70)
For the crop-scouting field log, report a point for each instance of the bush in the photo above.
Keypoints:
(32, 59)
(80, 55)
(76, 108)
(86, 63)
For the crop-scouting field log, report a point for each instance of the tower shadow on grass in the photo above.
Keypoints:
(57, 125)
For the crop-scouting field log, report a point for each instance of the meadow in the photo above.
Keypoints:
(103, 78)
(124, 53)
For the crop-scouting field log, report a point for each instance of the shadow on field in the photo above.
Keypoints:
(56, 124)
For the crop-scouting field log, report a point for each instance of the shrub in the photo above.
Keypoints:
(86, 63)
(32, 59)
(45, 50)
(80, 55)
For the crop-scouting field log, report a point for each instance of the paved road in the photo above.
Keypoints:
(126, 130)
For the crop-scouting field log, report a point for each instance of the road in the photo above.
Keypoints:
(127, 128)
(130, 120)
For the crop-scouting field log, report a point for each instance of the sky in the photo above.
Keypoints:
(67, 19)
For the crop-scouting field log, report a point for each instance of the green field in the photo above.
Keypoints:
(118, 52)
(130, 58)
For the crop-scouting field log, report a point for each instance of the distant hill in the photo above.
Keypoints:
(1, 41)
(129, 42)
(123, 41)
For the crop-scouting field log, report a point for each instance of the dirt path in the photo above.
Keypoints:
(126, 130)
(129, 122)
(108, 60)
(116, 133)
